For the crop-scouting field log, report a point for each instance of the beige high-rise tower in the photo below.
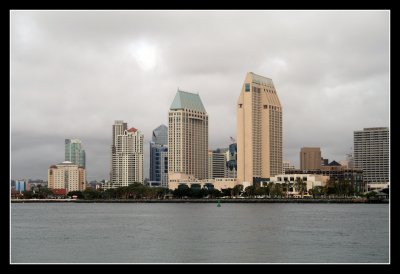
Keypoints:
(188, 136)
(310, 158)
(259, 130)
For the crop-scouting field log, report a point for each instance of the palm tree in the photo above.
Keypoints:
(286, 184)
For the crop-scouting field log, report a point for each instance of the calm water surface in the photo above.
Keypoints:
(199, 233)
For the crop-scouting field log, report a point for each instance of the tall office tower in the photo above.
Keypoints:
(259, 130)
(310, 158)
(217, 164)
(74, 152)
(159, 156)
(188, 136)
(127, 155)
(371, 153)
(231, 161)
(68, 176)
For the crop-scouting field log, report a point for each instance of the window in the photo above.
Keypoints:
(247, 87)
(240, 105)
(265, 106)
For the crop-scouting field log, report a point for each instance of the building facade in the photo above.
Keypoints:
(259, 130)
(74, 152)
(159, 156)
(67, 176)
(188, 136)
(127, 156)
(21, 186)
(337, 172)
(310, 158)
(286, 165)
(231, 161)
(311, 181)
(217, 164)
(178, 179)
(371, 153)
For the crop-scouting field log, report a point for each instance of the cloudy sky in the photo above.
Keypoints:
(73, 73)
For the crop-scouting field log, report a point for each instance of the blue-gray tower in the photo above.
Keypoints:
(159, 156)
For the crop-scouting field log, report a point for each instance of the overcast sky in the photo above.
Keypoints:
(73, 73)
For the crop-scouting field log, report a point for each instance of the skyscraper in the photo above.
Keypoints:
(74, 152)
(231, 161)
(371, 153)
(310, 158)
(159, 156)
(127, 155)
(188, 136)
(259, 130)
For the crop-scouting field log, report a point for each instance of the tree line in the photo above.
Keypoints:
(333, 188)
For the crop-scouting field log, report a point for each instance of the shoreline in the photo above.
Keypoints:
(243, 201)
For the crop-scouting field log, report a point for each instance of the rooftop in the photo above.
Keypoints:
(132, 129)
(187, 100)
(258, 79)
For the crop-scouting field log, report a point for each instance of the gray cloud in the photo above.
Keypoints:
(74, 72)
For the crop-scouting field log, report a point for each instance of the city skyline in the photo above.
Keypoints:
(82, 70)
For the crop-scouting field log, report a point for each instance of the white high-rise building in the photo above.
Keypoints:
(127, 156)
(371, 153)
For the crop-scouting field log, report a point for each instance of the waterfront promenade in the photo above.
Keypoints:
(222, 201)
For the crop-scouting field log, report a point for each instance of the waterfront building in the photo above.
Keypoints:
(74, 152)
(67, 176)
(310, 158)
(311, 181)
(188, 136)
(126, 156)
(177, 179)
(337, 172)
(217, 163)
(371, 154)
(159, 156)
(259, 130)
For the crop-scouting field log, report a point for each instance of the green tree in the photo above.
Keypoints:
(317, 191)
(181, 191)
(227, 192)
(277, 190)
(300, 186)
(27, 194)
(260, 191)
(109, 194)
(250, 191)
(285, 188)
(237, 189)
(90, 194)
(215, 193)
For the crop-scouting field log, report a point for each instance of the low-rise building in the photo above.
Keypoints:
(310, 180)
(337, 172)
(176, 179)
